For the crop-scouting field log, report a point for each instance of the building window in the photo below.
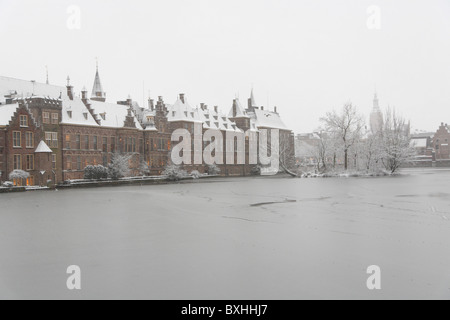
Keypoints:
(17, 162)
(141, 146)
(55, 118)
(51, 138)
(95, 142)
(105, 144)
(24, 121)
(69, 163)
(86, 142)
(53, 161)
(46, 117)
(134, 144)
(29, 139)
(78, 142)
(68, 141)
(78, 163)
(30, 161)
(30, 181)
(113, 144)
(17, 137)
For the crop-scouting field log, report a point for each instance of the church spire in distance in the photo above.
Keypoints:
(97, 91)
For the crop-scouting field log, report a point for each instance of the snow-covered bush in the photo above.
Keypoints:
(119, 166)
(18, 174)
(95, 172)
(8, 184)
(256, 171)
(213, 170)
(174, 173)
(195, 174)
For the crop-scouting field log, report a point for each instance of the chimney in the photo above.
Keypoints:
(160, 98)
(84, 94)
(182, 97)
(234, 108)
(216, 109)
(129, 101)
(69, 89)
(262, 108)
(202, 106)
(275, 109)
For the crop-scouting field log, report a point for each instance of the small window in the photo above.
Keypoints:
(85, 115)
(24, 121)
(46, 117)
(55, 118)
(17, 137)
(30, 162)
(29, 139)
(69, 113)
(17, 162)
(53, 161)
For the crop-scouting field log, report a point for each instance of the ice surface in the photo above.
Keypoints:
(243, 238)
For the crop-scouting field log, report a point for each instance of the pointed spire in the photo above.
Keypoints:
(376, 105)
(97, 91)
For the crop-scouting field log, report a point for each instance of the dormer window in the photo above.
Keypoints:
(69, 113)
(173, 113)
(103, 115)
(85, 115)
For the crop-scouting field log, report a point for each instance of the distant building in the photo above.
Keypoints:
(441, 142)
(376, 117)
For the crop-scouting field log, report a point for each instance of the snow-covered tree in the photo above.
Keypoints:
(18, 174)
(346, 126)
(144, 167)
(174, 173)
(119, 166)
(396, 141)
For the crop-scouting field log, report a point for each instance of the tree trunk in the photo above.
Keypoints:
(346, 160)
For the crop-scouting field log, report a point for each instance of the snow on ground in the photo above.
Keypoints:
(243, 238)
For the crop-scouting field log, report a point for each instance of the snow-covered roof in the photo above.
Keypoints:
(7, 112)
(75, 112)
(43, 148)
(24, 88)
(213, 119)
(419, 143)
(240, 111)
(182, 111)
(112, 115)
(267, 119)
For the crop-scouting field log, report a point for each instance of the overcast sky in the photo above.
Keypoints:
(304, 56)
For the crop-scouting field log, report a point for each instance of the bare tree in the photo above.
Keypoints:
(345, 126)
(396, 141)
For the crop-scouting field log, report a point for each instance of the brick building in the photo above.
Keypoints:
(54, 134)
(441, 142)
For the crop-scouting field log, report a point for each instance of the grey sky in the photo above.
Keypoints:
(306, 57)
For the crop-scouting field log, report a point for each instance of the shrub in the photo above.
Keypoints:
(213, 170)
(256, 171)
(95, 172)
(174, 173)
(195, 174)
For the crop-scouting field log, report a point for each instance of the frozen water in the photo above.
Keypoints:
(244, 238)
